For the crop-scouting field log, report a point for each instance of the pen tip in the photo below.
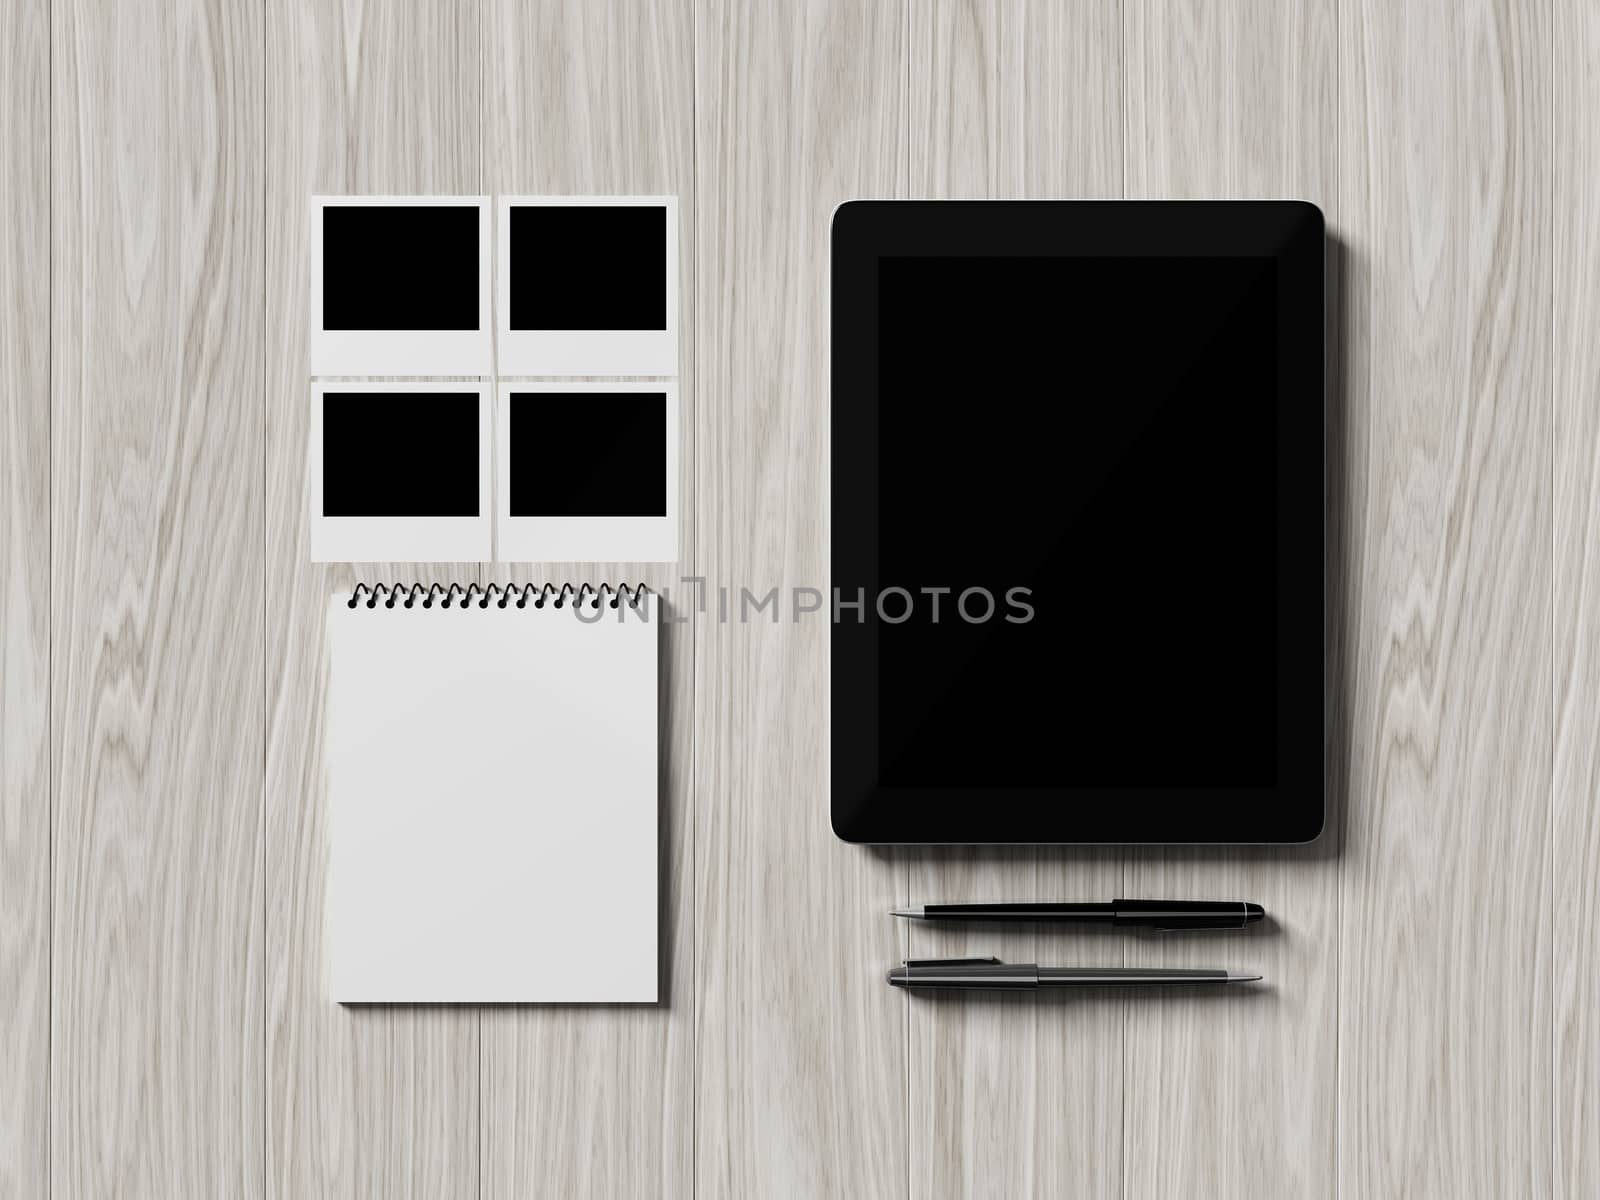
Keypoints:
(915, 911)
(1241, 977)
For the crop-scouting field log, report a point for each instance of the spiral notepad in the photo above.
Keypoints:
(493, 783)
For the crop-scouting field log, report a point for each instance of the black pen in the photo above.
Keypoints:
(990, 974)
(1138, 914)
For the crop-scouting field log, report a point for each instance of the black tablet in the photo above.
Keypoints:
(1077, 521)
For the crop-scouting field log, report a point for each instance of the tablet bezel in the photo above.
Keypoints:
(1289, 231)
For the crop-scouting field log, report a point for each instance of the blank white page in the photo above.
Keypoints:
(493, 787)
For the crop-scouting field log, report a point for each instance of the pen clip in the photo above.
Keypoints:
(950, 962)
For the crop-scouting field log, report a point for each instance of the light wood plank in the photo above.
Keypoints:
(156, 577)
(1443, 1025)
(1237, 101)
(1231, 101)
(801, 1045)
(599, 1100)
(1018, 1095)
(25, 599)
(1016, 99)
(1445, 941)
(374, 1101)
(1575, 781)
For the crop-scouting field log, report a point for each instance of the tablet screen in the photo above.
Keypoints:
(1082, 449)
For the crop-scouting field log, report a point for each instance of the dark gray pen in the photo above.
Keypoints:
(992, 974)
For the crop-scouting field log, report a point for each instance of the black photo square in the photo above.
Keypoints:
(400, 267)
(588, 267)
(587, 454)
(400, 454)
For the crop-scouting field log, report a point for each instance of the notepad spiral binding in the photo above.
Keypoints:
(539, 594)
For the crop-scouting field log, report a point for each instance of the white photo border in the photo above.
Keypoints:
(585, 351)
(400, 539)
(408, 351)
(584, 539)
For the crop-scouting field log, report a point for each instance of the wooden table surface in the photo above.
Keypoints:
(1429, 1026)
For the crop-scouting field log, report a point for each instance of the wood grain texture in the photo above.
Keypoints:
(1445, 940)
(1236, 101)
(599, 1100)
(156, 578)
(1429, 1026)
(374, 1101)
(1230, 101)
(801, 1069)
(1016, 98)
(1575, 660)
(1019, 1095)
(25, 599)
